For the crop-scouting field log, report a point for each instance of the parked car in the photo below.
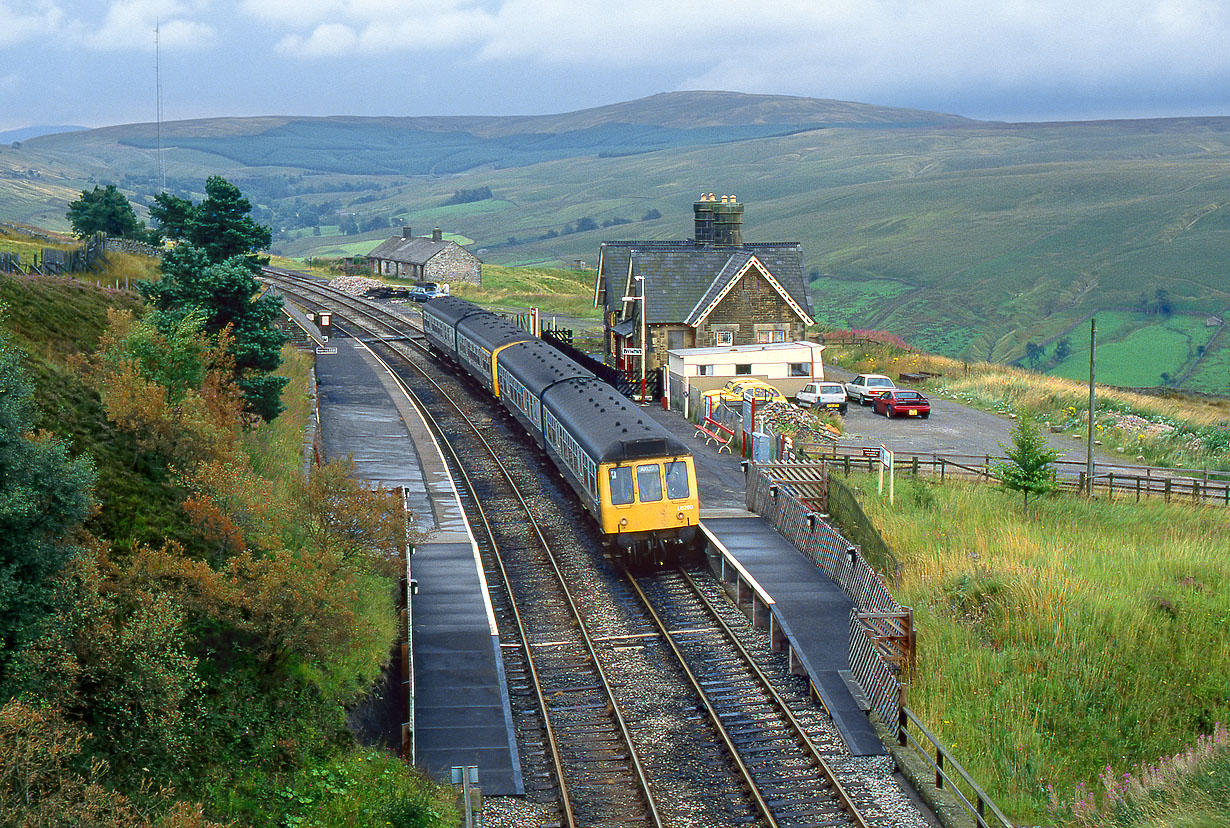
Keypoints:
(866, 387)
(732, 392)
(902, 403)
(423, 293)
(831, 396)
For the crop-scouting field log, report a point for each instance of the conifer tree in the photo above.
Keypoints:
(1030, 465)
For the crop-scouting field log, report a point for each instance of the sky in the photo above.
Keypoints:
(92, 62)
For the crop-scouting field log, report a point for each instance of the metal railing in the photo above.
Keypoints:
(949, 774)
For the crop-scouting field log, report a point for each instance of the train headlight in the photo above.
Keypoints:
(679, 515)
(623, 521)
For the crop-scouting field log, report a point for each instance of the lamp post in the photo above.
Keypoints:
(641, 279)
(640, 297)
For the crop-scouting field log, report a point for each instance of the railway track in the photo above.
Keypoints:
(632, 750)
(775, 751)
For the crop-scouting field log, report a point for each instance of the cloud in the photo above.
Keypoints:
(21, 22)
(129, 26)
(340, 27)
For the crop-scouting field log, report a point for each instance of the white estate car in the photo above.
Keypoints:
(830, 396)
(866, 387)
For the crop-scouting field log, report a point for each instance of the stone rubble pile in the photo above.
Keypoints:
(355, 285)
(1130, 422)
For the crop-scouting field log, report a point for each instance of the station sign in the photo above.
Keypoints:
(326, 350)
(634, 352)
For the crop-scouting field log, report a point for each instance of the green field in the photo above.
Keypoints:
(1136, 350)
(966, 238)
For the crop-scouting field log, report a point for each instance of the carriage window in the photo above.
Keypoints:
(649, 481)
(677, 480)
(621, 485)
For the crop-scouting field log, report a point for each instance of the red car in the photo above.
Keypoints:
(902, 403)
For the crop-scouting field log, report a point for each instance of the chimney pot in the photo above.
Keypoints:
(436, 235)
(406, 232)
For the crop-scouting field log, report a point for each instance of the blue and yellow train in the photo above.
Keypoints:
(635, 477)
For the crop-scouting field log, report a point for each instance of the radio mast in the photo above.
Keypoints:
(162, 172)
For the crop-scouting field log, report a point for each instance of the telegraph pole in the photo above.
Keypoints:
(1093, 335)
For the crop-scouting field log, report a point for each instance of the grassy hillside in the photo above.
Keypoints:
(967, 238)
(1055, 644)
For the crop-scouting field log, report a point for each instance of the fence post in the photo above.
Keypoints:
(915, 470)
(943, 465)
(1167, 489)
(1110, 485)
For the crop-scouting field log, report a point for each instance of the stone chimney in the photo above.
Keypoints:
(407, 233)
(719, 221)
(436, 235)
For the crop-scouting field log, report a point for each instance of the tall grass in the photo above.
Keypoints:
(1172, 430)
(1086, 634)
(276, 449)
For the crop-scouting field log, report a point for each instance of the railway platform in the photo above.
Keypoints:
(461, 713)
(811, 613)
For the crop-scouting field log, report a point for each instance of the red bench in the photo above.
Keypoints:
(715, 432)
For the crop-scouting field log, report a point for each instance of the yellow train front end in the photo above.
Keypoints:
(649, 508)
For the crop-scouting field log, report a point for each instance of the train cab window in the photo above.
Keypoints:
(621, 485)
(677, 480)
(649, 481)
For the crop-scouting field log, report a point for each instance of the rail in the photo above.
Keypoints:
(543, 693)
(882, 638)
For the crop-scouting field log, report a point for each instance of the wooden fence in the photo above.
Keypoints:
(90, 257)
(1198, 486)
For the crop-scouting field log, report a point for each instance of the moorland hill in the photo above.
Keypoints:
(969, 238)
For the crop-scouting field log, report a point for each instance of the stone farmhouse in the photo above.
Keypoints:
(708, 291)
(425, 259)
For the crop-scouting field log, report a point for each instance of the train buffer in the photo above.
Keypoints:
(715, 432)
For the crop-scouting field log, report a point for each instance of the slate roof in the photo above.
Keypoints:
(683, 278)
(414, 251)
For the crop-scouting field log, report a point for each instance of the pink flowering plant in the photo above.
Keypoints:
(1197, 777)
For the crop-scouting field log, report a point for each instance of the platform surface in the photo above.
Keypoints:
(813, 612)
(462, 715)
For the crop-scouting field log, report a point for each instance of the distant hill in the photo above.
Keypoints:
(970, 238)
(26, 133)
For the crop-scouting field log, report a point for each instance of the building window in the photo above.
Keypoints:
(676, 340)
(762, 337)
(800, 369)
(704, 370)
(725, 337)
(743, 368)
(779, 336)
